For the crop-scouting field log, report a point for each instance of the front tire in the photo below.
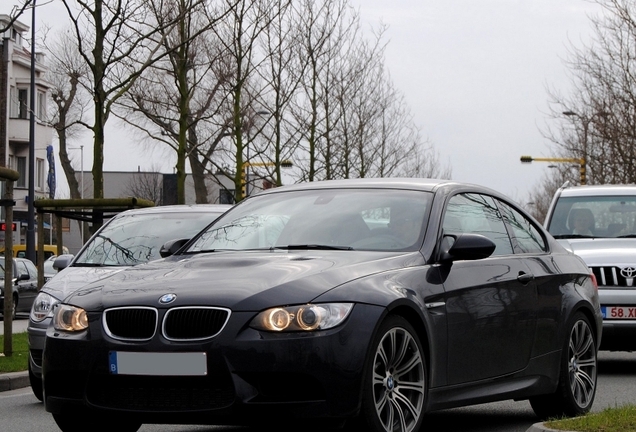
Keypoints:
(395, 382)
(577, 379)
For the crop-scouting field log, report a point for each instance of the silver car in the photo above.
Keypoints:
(132, 237)
(598, 223)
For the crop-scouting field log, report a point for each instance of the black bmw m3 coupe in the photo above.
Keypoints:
(362, 303)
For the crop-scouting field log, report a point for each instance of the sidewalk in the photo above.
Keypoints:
(14, 381)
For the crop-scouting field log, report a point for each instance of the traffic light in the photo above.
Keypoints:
(582, 172)
(526, 159)
(3, 226)
(243, 182)
(286, 164)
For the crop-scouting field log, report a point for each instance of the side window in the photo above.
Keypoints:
(477, 214)
(527, 239)
(22, 269)
(33, 271)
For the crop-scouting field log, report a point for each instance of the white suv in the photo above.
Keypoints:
(598, 223)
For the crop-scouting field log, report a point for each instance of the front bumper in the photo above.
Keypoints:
(251, 374)
(618, 334)
(37, 334)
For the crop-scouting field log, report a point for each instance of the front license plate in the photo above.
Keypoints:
(619, 312)
(157, 364)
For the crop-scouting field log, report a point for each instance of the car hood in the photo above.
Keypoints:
(238, 280)
(72, 278)
(603, 251)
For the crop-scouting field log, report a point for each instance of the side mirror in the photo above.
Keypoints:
(23, 276)
(171, 247)
(62, 261)
(466, 247)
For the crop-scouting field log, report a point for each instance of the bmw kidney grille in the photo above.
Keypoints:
(178, 324)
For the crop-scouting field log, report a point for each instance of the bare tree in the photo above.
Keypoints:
(597, 122)
(177, 100)
(70, 103)
(117, 40)
(146, 185)
(16, 12)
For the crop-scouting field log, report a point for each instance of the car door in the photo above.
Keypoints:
(28, 287)
(490, 303)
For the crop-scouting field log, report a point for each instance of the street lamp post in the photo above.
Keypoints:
(30, 234)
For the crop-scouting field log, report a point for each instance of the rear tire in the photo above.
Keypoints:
(395, 381)
(577, 379)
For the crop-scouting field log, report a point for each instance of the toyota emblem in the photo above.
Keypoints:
(628, 272)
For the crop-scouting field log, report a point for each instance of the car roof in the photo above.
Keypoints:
(598, 190)
(424, 184)
(178, 208)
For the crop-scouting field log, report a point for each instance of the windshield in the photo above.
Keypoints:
(360, 219)
(137, 238)
(594, 216)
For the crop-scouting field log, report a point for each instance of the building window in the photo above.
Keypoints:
(14, 105)
(22, 170)
(23, 103)
(39, 174)
(41, 106)
(17, 38)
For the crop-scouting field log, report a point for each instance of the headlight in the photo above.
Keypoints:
(43, 306)
(70, 318)
(302, 318)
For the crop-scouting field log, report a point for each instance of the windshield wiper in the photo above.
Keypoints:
(97, 265)
(313, 246)
(627, 236)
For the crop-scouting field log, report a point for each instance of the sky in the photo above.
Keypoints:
(474, 74)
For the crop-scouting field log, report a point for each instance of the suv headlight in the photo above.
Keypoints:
(70, 318)
(43, 307)
(307, 317)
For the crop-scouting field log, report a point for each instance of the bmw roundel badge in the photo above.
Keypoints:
(167, 298)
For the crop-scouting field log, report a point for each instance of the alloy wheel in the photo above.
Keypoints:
(582, 364)
(398, 381)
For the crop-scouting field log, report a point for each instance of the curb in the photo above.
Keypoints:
(14, 381)
(540, 427)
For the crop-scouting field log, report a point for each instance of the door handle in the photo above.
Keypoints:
(524, 278)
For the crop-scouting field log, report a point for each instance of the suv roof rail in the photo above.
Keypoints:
(566, 184)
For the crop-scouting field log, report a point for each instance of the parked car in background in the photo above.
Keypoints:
(25, 285)
(130, 238)
(49, 269)
(368, 301)
(608, 248)
(19, 250)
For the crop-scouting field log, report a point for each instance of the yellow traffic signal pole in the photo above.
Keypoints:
(580, 162)
(246, 167)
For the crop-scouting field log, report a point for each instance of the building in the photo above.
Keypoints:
(15, 89)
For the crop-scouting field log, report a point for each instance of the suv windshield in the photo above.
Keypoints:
(594, 216)
(137, 238)
(335, 219)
